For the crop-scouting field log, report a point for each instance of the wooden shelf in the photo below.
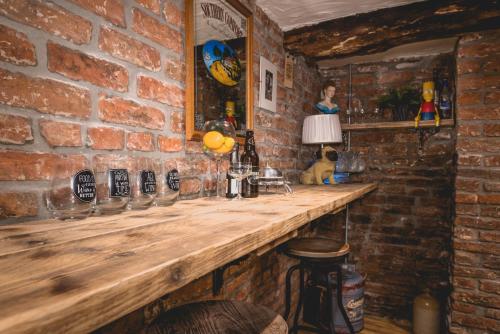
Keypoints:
(396, 125)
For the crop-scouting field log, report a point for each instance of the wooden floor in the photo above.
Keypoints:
(378, 325)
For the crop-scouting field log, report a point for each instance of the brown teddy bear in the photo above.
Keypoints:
(322, 168)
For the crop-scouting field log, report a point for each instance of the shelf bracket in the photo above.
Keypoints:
(218, 274)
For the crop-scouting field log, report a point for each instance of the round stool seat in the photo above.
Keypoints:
(219, 317)
(316, 248)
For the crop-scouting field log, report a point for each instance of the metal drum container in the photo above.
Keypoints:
(353, 300)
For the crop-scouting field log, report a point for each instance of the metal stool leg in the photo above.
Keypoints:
(301, 299)
(340, 301)
(329, 296)
(288, 288)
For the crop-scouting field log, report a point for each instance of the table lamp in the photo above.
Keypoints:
(321, 129)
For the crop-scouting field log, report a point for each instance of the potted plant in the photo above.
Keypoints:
(403, 102)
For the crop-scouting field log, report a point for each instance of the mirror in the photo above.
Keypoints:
(218, 65)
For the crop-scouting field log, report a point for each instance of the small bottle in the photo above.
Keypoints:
(250, 156)
(232, 189)
(445, 100)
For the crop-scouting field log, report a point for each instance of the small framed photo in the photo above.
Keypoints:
(268, 85)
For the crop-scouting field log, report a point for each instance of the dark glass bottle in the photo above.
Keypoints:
(436, 77)
(445, 100)
(232, 185)
(250, 156)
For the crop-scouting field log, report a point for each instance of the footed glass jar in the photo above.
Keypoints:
(168, 183)
(143, 184)
(113, 184)
(72, 191)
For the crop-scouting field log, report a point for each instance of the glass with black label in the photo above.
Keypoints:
(72, 191)
(112, 183)
(143, 184)
(168, 182)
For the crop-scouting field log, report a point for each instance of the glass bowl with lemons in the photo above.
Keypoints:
(218, 142)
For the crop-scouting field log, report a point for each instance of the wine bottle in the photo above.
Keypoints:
(250, 156)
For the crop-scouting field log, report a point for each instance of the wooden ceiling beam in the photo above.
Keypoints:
(383, 29)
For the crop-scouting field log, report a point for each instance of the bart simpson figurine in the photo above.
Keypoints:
(427, 109)
(230, 106)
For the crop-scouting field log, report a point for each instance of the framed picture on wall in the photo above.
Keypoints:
(268, 85)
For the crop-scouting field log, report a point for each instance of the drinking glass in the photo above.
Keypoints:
(143, 186)
(239, 171)
(354, 162)
(341, 165)
(168, 183)
(72, 189)
(112, 183)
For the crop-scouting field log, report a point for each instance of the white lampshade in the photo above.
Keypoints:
(322, 129)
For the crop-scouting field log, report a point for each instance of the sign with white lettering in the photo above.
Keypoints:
(173, 180)
(119, 184)
(83, 186)
(148, 182)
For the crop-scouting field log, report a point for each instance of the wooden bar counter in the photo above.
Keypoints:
(75, 276)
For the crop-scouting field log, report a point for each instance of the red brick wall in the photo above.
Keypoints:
(94, 79)
(400, 234)
(279, 135)
(261, 279)
(475, 300)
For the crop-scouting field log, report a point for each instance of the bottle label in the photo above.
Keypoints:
(83, 185)
(173, 180)
(444, 104)
(233, 187)
(148, 182)
(118, 182)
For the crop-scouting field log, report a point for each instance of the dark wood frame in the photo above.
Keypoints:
(191, 132)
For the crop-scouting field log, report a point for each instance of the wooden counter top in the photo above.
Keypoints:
(75, 276)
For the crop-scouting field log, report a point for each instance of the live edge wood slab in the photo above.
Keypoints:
(75, 276)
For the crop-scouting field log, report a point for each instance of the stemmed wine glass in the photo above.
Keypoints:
(239, 171)
(218, 142)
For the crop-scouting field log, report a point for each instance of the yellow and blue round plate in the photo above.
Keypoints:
(222, 62)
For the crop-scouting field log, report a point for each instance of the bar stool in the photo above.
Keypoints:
(320, 257)
(218, 317)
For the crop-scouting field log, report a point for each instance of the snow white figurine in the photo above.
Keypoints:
(327, 106)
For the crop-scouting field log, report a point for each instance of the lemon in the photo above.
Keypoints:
(229, 142)
(226, 147)
(213, 140)
(223, 149)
